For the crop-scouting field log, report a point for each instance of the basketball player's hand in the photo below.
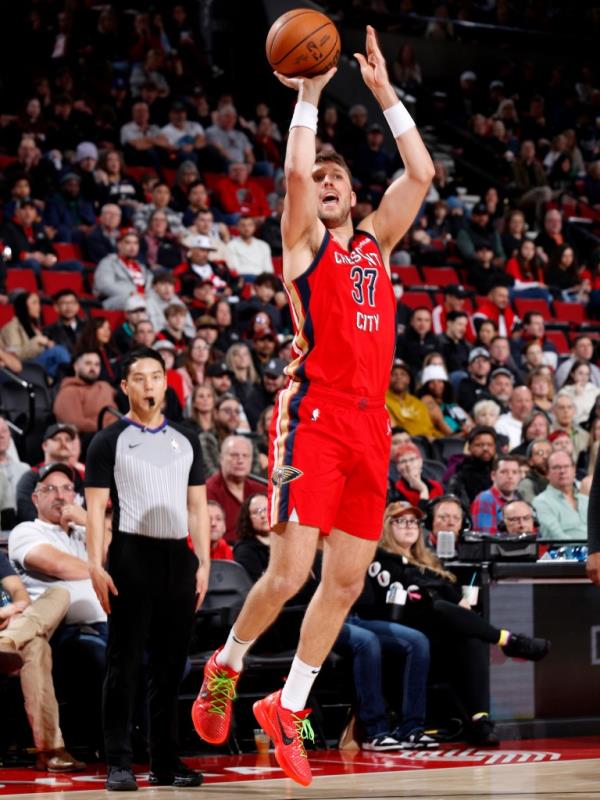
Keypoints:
(593, 568)
(372, 65)
(201, 583)
(103, 586)
(309, 89)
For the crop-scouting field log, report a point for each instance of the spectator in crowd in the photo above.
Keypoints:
(202, 267)
(453, 345)
(486, 509)
(372, 165)
(232, 144)
(474, 387)
(586, 462)
(252, 547)
(473, 474)
(30, 164)
(101, 241)
(454, 300)
(57, 446)
(218, 233)
(120, 275)
(231, 485)
(184, 136)
(581, 350)
(404, 408)
(501, 357)
(529, 179)
(160, 248)
(537, 453)
(561, 508)
(68, 213)
(501, 385)
(412, 487)
(50, 551)
(446, 514)
(27, 239)
(263, 300)
(418, 340)
(514, 233)
(187, 178)
(565, 276)
(141, 140)
(117, 188)
(69, 325)
(12, 470)
(161, 295)
(219, 377)
(264, 348)
(535, 426)
(161, 201)
(219, 548)
(135, 311)
(487, 330)
(96, 335)
(81, 398)
(22, 336)
(247, 255)
(552, 237)
(437, 394)
(25, 629)
(526, 269)
(174, 330)
(477, 234)
(193, 368)
(241, 196)
(564, 414)
(541, 386)
(201, 416)
(534, 330)
(144, 334)
(228, 418)
(497, 308)
(511, 424)
(580, 388)
(519, 519)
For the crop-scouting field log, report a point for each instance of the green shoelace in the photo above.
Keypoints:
(305, 731)
(222, 690)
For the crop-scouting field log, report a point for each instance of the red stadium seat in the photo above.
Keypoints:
(212, 179)
(53, 282)
(440, 276)
(559, 340)
(410, 275)
(49, 315)
(540, 306)
(65, 251)
(169, 176)
(114, 317)
(7, 312)
(569, 312)
(23, 279)
(137, 173)
(277, 265)
(417, 299)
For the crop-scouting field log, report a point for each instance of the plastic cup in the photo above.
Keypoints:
(261, 741)
(471, 594)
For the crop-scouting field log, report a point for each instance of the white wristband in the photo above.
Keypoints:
(398, 119)
(305, 116)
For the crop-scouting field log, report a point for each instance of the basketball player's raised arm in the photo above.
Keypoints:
(299, 222)
(403, 198)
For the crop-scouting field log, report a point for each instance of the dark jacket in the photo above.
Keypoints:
(64, 334)
(471, 392)
(97, 245)
(16, 237)
(412, 349)
(456, 354)
(471, 477)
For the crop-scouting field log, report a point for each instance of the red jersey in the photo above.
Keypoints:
(344, 313)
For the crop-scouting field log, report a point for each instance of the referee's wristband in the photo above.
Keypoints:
(398, 119)
(305, 116)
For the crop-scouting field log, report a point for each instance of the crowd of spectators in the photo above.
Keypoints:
(163, 201)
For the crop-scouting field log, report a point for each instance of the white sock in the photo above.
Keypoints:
(233, 652)
(298, 685)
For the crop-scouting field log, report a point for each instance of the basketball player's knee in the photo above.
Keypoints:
(284, 586)
(345, 593)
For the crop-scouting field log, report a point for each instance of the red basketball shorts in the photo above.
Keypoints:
(328, 461)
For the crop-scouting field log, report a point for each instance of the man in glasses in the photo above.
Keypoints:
(49, 552)
(518, 518)
(561, 508)
(536, 480)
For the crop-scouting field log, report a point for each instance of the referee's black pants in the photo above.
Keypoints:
(154, 611)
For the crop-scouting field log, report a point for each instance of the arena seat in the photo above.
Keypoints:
(559, 340)
(115, 317)
(417, 299)
(440, 276)
(67, 251)
(56, 281)
(573, 313)
(21, 279)
(7, 312)
(539, 306)
(410, 275)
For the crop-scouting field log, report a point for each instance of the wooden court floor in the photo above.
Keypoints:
(549, 769)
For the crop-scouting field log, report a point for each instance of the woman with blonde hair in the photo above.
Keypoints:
(202, 408)
(541, 386)
(193, 370)
(434, 605)
(486, 412)
(244, 380)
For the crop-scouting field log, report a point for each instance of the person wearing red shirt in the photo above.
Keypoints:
(219, 548)
(497, 308)
(240, 195)
(412, 487)
(454, 300)
(230, 486)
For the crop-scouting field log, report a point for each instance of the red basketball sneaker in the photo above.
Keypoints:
(211, 712)
(287, 729)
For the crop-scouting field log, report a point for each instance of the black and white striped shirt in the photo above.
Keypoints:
(148, 471)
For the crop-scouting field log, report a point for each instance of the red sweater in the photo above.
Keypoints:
(246, 198)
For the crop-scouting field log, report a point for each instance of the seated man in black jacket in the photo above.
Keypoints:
(69, 324)
(418, 340)
(474, 388)
(101, 241)
(474, 474)
(31, 248)
(453, 345)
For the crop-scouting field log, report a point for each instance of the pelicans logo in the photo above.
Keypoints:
(283, 475)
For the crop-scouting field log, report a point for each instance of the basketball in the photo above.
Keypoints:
(303, 43)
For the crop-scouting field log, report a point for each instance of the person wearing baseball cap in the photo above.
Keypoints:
(162, 294)
(60, 444)
(201, 265)
(475, 386)
(405, 409)
(135, 311)
(454, 300)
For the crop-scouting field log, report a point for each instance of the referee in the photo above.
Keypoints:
(153, 582)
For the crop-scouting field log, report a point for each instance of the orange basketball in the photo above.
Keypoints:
(303, 43)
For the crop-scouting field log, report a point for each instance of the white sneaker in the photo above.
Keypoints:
(417, 740)
(383, 741)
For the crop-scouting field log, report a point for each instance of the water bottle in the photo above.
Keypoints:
(396, 600)
(5, 598)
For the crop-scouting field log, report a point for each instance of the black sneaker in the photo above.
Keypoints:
(520, 646)
(417, 740)
(120, 779)
(181, 776)
(481, 733)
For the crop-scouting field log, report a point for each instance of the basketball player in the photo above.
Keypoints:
(330, 437)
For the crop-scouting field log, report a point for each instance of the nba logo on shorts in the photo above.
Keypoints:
(315, 415)
(283, 475)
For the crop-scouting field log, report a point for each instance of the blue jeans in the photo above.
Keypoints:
(52, 358)
(369, 641)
